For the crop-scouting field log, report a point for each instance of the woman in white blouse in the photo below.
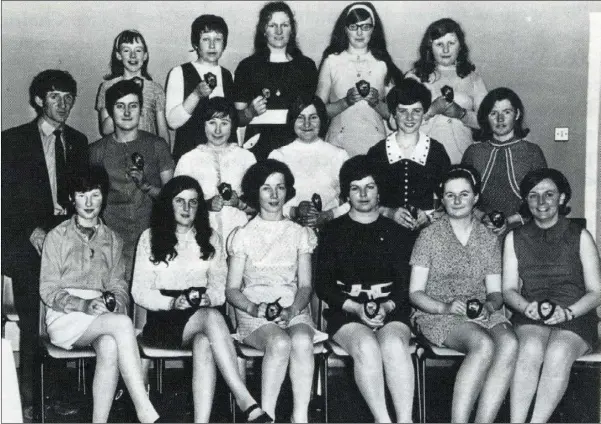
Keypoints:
(219, 161)
(179, 252)
(314, 163)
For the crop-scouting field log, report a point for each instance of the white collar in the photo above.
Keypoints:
(420, 153)
(47, 128)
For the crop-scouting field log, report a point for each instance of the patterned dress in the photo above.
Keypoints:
(455, 272)
(271, 250)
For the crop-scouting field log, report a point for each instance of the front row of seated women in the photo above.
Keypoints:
(363, 260)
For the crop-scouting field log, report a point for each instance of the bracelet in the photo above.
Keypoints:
(570, 314)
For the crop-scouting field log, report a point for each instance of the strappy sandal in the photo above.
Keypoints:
(261, 418)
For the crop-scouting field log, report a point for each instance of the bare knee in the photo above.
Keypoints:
(367, 350)
(394, 348)
(106, 349)
(279, 345)
(302, 341)
(558, 360)
(531, 349)
(507, 347)
(483, 348)
(121, 323)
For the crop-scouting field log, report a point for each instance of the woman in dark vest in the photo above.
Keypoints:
(190, 85)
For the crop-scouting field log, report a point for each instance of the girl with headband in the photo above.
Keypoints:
(355, 74)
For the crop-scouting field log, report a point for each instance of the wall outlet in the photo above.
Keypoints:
(561, 134)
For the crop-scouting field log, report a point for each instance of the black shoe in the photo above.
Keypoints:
(261, 418)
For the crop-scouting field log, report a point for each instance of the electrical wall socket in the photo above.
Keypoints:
(561, 134)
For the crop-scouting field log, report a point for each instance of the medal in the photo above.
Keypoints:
(473, 308)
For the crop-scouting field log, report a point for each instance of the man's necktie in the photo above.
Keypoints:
(62, 192)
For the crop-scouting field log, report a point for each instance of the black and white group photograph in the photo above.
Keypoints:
(301, 211)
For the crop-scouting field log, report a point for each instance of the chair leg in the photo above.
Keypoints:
(43, 403)
(160, 375)
(83, 376)
(325, 389)
(418, 381)
(423, 374)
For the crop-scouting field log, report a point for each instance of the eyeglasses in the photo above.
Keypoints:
(364, 27)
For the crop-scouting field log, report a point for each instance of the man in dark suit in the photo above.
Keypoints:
(38, 158)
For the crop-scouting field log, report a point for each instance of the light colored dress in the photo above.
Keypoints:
(359, 127)
(455, 272)
(454, 134)
(211, 166)
(271, 250)
(316, 167)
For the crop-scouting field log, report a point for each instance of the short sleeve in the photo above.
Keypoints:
(235, 243)
(308, 240)
(159, 96)
(421, 255)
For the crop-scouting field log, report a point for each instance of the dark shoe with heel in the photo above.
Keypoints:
(261, 418)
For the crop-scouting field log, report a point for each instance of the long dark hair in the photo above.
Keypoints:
(162, 222)
(117, 68)
(377, 43)
(425, 65)
(265, 14)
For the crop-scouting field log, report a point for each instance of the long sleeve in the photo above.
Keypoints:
(52, 292)
(325, 280)
(175, 112)
(144, 275)
(217, 274)
(117, 283)
(480, 91)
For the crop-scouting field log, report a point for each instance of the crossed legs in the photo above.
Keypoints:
(112, 336)
(545, 358)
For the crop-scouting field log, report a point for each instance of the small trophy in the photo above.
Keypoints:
(448, 93)
(371, 308)
(412, 210)
(274, 309)
(139, 81)
(473, 308)
(363, 88)
(194, 295)
(138, 161)
(109, 300)
(225, 191)
(316, 200)
(211, 80)
(546, 309)
(497, 218)
(266, 93)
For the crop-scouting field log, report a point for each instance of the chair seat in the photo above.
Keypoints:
(159, 352)
(338, 350)
(591, 357)
(445, 351)
(247, 351)
(60, 353)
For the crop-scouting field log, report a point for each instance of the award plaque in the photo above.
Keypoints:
(225, 191)
(109, 300)
(546, 308)
(211, 80)
(274, 309)
(412, 210)
(371, 308)
(266, 93)
(138, 161)
(363, 87)
(448, 93)
(473, 308)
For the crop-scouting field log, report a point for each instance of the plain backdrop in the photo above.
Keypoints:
(539, 49)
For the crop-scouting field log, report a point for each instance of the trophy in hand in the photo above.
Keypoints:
(363, 88)
(138, 161)
(473, 308)
(448, 93)
(194, 295)
(274, 309)
(211, 80)
(412, 210)
(109, 300)
(266, 93)
(497, 218)
(546, 308)
(225, 191)
(316, 200)
(371, 308)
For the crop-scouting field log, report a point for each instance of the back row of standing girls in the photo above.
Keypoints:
(268, 81)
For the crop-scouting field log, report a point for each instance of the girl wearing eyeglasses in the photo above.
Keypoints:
(355, 73)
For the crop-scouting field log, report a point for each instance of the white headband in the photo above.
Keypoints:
(363, 7)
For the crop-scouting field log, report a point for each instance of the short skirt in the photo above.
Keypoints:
(337, 318)
(64, 329)
(585, 326)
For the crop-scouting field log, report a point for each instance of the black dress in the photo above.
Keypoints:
(371, 257)
(284, 82)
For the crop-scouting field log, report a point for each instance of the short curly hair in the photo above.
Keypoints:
(50, 80)
(534, 177)
(256, 176)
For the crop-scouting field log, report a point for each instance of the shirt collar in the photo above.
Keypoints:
(46, 128)
(420, 153)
